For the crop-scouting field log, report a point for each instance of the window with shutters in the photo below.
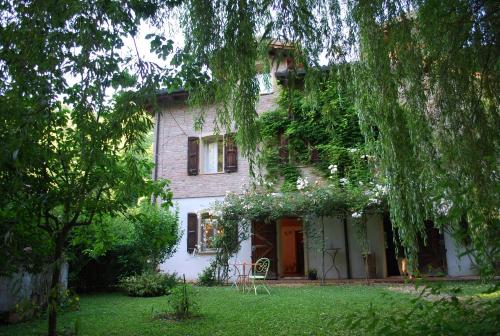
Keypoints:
(212, 154)
(201, 233)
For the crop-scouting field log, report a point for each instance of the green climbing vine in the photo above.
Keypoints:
(319, 130)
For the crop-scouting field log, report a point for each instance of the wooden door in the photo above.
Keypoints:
(264, 245)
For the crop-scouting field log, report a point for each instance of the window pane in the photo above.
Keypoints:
(220, 155)
(208, 232)
(210, 156)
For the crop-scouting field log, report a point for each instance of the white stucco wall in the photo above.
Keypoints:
(376, 243)
(189, 264)
(457, 266)
(334, 236)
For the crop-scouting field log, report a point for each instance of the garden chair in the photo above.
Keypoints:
(259, 274)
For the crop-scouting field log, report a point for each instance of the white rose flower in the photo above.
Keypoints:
(357, 215)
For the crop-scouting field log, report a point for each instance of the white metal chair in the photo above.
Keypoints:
(259, 274)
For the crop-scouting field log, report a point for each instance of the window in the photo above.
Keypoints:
(209, 232)
(213, 154)
(265, 83)
(201, 232)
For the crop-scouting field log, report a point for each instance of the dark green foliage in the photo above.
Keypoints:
(122, 246)
(149, 284)
(60, 167)
(102, 273)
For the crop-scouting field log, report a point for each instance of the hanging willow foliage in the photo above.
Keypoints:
(426, 75)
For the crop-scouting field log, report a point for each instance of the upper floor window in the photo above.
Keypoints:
(265, 83)
(212, 154)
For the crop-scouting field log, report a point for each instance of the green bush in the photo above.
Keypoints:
(116, 247)
(207, 276)
(184, 301)
(149, 284)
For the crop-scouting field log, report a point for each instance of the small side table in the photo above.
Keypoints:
(242, 274)
(332, 252)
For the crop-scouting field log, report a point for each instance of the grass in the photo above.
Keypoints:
(306, 310)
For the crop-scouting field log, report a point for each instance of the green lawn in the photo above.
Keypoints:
(306, 310)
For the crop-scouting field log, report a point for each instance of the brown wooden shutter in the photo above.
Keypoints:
(192, 232)
(193, 155)
(283, 148)
(230, 154)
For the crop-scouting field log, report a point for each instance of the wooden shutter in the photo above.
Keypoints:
(192, 232)
(230, 154)
(283, 148)
(193, 155)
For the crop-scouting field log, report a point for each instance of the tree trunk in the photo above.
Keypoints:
(54, 286)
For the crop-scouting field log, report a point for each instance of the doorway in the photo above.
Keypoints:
(264, 245)
(432, 253)
(291, 252)
(390, 247)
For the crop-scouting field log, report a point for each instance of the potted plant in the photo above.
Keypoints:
(312, 274)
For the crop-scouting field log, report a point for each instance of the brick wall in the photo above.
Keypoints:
(176, 125)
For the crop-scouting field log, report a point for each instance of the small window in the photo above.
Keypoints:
(213, 154)
(265, 83)
(209, 232)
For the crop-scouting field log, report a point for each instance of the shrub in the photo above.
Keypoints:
(207, 276)
(149, 284)
(116, 247)
(432, 313)
(184, 301)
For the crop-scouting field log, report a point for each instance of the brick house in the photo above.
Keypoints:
(203, 167)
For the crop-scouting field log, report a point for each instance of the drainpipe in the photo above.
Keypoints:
(156, 149)
(346, 242)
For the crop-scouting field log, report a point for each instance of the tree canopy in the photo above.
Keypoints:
(68, 150)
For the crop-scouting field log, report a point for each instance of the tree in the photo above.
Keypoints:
(62, 166)
(427, 81)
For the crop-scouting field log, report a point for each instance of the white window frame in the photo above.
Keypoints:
(203, 157)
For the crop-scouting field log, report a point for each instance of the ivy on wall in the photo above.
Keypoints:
(320, 130)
